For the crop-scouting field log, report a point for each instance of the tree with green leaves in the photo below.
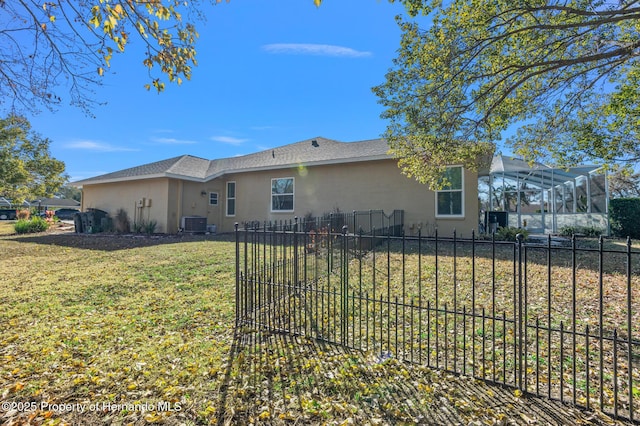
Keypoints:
(624, 183)
(53, 46)
(57, 45)
(565, 72)
(69, 192)
(27, 169)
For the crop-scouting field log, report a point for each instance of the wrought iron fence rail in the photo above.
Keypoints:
(467, 306)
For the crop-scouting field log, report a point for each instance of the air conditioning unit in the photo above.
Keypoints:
(194, 224)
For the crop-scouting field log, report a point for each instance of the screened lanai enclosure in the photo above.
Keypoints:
(542, 199)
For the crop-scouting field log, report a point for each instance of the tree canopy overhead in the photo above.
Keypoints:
(54, 47)
(624, 183)
(566, 71)
(27, 169)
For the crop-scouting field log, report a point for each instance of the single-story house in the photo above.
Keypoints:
(310, 177)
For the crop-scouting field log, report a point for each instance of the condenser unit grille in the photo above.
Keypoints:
(194, 224)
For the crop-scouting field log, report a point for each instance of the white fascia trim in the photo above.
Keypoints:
(79, 184)
(116, 180)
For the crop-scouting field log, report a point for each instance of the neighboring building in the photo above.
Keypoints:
(55, 203)
(315, 176)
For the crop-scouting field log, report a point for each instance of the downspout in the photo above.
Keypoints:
(180, 203)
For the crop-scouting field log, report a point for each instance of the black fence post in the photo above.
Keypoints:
(285, 283)
(455, 301)
(344, 286)
(629, 330)
(520, 316)
(296, 276)
(247, 291)
(238, 298)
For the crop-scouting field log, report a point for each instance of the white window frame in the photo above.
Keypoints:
(462, 195)
(293, 196)
(235, 194)
(217, 199)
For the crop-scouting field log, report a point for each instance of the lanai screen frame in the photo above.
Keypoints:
(578, 196)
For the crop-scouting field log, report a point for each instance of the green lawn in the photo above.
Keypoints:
(85, 320)
(137, 330)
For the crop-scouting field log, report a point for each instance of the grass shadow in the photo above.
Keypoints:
(111, 242)
(282, 379)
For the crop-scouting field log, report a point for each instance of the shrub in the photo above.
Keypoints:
(23, 214)
(587, 231)
(37, 224)
(122, 223)
(508, 233)
(21, 226)
(145, 227)
(150, 227)
(309, 222)
(138, 227)
(624, 217)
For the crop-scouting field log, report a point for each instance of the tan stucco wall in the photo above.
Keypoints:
(369, 185)
(195, 200)
(372, 185)
(110, 197)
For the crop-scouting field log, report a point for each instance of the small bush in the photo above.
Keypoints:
(23, 214)
(37, 224)
(587, 231)
(150, 227)
(121, 222)
(624, 217)
(138, 227)
(145, 227)
(509, 233)
(21, 226)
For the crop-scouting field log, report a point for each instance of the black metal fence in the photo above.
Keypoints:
(364, 221)
(554, 320)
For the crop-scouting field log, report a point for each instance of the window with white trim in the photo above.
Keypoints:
(282, 195)
(231, 198)
(450, 199)
(213, 198)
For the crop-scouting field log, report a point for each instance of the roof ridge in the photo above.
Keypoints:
(312, 151)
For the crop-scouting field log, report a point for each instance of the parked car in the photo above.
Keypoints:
(65, 214)
(7, 214)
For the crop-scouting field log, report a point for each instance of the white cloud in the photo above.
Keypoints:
(228, 140)
(172, 141)
(315, 49)
(89, 145)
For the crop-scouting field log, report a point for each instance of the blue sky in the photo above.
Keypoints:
(269, 73)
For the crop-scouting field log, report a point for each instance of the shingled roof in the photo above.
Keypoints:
(310, 152)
